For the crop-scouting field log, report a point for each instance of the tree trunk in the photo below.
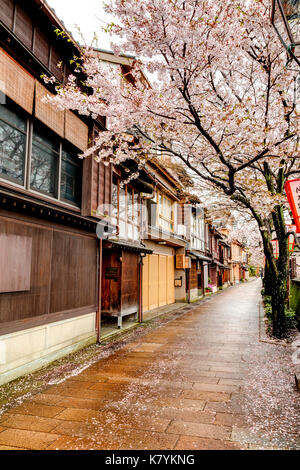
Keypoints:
(279, 288)
(267, 282)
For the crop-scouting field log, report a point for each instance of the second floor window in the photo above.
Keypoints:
(71, 171)
(13, 133)
(53, 167)
(44, 163)
(165, 212)
(125, 212)
(197, 230)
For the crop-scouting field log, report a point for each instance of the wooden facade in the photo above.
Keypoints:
(62, 272)
(48, 217)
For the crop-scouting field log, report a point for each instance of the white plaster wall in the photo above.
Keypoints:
(24, 351)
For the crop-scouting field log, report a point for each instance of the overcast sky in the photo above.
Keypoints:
(87, 14)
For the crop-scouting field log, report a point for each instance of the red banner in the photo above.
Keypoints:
(292, 189)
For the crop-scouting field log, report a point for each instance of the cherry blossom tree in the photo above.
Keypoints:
(221, 102)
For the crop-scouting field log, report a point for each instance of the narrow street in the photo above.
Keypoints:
(201, 381)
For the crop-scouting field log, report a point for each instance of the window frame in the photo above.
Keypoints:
(126, 219)
(17, 110)
(160, 214)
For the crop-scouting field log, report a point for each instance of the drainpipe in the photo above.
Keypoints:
(142, 255)
(98, 313)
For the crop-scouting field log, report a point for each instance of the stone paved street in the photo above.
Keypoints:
(201, 381)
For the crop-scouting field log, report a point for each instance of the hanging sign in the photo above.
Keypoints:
(292, 189)
(291, 228)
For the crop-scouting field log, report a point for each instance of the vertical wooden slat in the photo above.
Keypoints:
(23, 24)
(162, 280)
(7, 12)
(170, 280)
(146, 283)
(153, 281)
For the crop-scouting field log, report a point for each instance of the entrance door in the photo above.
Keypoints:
(111, 282)
(158, 281)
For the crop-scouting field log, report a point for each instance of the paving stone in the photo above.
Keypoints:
(229, 419)
(203, 395)
(83, 403)
(109, 386)
(140, 440)
(216, 387)
(115, 420)
(26, 439)
(46, 399)
(205, 380)
(222, 407)
(231, 381)
(100, 436)
(34, 409)
(180, 404)
(199, 430)
(31, 423)
(201, 443)
(69, 443)
(196, 416)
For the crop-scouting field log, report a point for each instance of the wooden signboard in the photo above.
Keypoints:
(112, 273)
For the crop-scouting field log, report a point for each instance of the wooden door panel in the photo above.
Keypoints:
(162, 280)
(153, 281)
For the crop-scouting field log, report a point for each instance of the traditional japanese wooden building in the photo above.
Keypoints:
(192, 216)
(50, 255)
(164, 269)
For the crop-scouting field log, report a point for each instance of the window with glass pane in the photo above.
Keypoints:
(13, 129)
(166, 214)
(44, 163)
(136, 207)
(115, 199)
(129, 204)
(71, 174)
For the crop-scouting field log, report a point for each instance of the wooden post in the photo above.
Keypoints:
(98, 314)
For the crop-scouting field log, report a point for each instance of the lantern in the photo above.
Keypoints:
(285, 18)
(275, 246)
(291, 242)
(292, 189)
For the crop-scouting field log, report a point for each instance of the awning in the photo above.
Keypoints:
(199, 256)
(128, 246)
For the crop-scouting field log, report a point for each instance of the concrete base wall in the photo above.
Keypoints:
(28, 350)
(195, 295)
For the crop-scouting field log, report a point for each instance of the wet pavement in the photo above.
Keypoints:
(203, 380)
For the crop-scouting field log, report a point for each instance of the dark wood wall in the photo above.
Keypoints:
(130, 278)
(111, 288)
(97, 186)
(63, 272)
(194, 275)
(36, 32)
(121, 293)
